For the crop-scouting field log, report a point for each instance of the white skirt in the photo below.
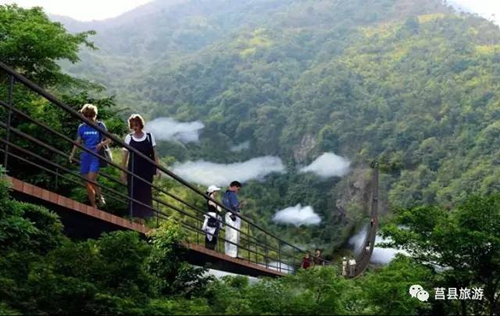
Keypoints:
(232, 235)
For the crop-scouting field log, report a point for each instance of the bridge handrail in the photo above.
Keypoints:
(54, 100)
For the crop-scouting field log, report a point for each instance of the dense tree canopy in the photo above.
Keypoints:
(465, 243)
(410, 83)
(32, 44)
(41, 271)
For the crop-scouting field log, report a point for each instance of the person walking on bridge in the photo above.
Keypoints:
(318, 260)
(230, 201)
(92, 140)
(213, 221)
(352, 266)
(306, 262)
(140, 190)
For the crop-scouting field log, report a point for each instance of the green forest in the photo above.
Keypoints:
(411, 84)
(43, 272)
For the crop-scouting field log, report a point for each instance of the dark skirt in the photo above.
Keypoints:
(142, 192)
(211, 244)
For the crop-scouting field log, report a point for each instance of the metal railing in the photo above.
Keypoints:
(27, 141)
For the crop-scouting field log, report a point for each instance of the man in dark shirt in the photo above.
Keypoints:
(318, 261)
(230, 198)
(230, 201)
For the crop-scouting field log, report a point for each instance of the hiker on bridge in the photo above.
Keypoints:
(318, 260)
(140, 190)
(344, 266)
(213, 221)
(352, 266)
(306, 262)
(92, 140)
(230, 201)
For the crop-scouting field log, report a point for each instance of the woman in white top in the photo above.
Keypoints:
(140, 190)
(213, 221)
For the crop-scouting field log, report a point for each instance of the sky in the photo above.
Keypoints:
(485, 8)
(83, 10)
(87, 10)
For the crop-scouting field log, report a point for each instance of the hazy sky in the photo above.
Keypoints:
(486, 8)
(84, 10)
(87, 10)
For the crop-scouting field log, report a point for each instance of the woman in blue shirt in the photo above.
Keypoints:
(91, 140)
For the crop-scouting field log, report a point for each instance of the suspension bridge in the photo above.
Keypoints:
(43, 151)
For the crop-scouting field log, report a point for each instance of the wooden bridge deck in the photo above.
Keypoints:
(83, 221)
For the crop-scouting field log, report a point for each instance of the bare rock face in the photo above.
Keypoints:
(301, 151)
(355, 190)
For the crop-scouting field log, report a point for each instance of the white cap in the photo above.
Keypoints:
(212, 188)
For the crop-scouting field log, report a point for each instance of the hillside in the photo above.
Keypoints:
(410, 83)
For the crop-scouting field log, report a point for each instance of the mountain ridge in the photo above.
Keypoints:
(408, 83)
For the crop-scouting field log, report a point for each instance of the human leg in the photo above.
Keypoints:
(85, 163)
(92, 189)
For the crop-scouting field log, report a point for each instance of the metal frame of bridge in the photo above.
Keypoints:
(363, 259)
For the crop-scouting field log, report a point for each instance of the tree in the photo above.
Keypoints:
(464, 243)
(172, 275)
(32, 44)
(386, 290)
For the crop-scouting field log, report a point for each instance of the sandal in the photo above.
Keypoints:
(101, 200)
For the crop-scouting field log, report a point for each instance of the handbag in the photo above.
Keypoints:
(105, 152)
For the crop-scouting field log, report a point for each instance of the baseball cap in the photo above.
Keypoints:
(212, 188)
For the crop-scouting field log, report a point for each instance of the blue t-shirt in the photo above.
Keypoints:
(89, 135)
(230, 200)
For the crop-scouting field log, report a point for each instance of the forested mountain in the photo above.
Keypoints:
(409, 82)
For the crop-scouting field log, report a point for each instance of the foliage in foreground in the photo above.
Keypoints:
(43, 272)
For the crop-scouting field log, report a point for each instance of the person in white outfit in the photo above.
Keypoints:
(344, 266)
(213, 221)
(230, 201)
(352, 266)
(367, 248)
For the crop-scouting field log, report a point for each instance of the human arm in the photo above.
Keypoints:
(104, 141)
(155, 153)
(72, 154)
(124, 165)
(157, 160)
(125, 155)
(234, 203)
(204, 227)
